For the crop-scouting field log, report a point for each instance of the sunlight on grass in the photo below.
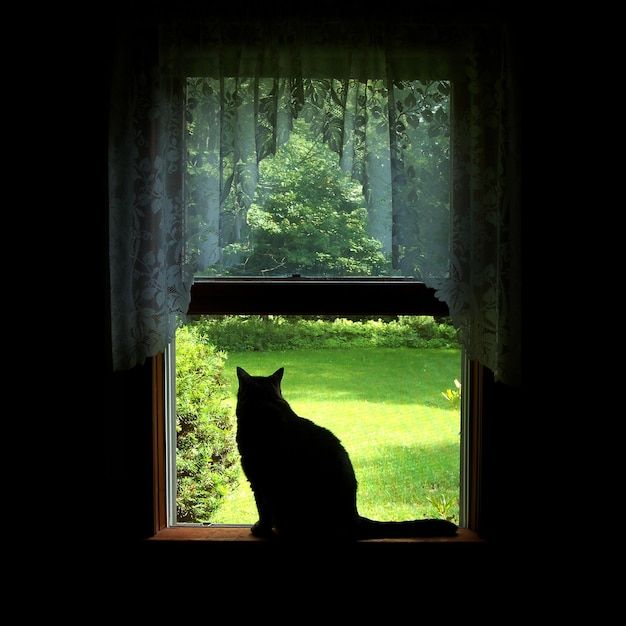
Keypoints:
(386, 407)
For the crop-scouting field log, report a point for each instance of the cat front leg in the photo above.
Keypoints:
(261, 530)
(264, 527)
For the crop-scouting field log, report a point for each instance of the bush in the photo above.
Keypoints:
(205, 429)
(267, 333)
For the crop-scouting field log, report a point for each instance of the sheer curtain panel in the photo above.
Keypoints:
(408, 133)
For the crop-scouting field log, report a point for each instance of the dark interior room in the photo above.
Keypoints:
(131, 493)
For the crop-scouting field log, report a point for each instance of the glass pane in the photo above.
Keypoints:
(318, 177)
(387, 388)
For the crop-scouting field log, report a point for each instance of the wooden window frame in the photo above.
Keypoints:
(301, 296)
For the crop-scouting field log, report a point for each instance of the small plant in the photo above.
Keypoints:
(444, 506)
(453, 395)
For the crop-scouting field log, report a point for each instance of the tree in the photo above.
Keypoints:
(394, 137)
(308, 216)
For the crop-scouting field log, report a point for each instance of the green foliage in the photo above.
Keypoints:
(308, 217)
(444, 505)
(409, 125)
(265, 190)
(205, 439)
(423, 202)
(453, 395)
(266, 333)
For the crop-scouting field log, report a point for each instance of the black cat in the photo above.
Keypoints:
(301, 475)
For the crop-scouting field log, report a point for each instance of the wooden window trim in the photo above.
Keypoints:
(242, 534)
(159, 476)
(472, 444)
(321, 297)
(302, 296)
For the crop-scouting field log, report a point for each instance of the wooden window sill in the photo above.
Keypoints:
(242, 535)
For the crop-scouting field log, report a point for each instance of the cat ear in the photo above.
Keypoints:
(242, 374)
(278, 374)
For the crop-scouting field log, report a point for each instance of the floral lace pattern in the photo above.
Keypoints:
(150, 280)
(483, 291)
(152, 261)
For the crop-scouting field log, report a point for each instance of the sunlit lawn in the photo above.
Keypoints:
(386, 407)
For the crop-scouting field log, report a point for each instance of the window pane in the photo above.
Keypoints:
(318, 177)
(387, 388)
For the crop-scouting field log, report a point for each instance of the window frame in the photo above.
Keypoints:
(346, 296)
(302, 296)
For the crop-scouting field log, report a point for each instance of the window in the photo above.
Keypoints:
(148, 244)
(212, 296)
(318, 177)
(378, 384)
(339, 207)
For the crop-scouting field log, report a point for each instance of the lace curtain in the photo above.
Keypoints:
(199, 109)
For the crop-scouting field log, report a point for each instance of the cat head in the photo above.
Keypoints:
(259, 387)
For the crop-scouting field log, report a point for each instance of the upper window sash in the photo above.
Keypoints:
(301, 296)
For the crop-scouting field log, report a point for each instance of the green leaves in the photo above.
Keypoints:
(277, 333)
(235, 130)
(410, 101)
(443, 87)
(205, 428)
(309, 217)
(453, 395)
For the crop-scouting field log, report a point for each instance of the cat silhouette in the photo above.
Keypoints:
(301, 475)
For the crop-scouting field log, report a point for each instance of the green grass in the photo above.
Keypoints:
(386, 407)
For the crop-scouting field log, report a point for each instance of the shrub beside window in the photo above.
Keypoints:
(206, 462)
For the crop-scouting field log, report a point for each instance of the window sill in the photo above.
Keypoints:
(242, 535)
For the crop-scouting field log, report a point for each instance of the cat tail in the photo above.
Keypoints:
(373, 529)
